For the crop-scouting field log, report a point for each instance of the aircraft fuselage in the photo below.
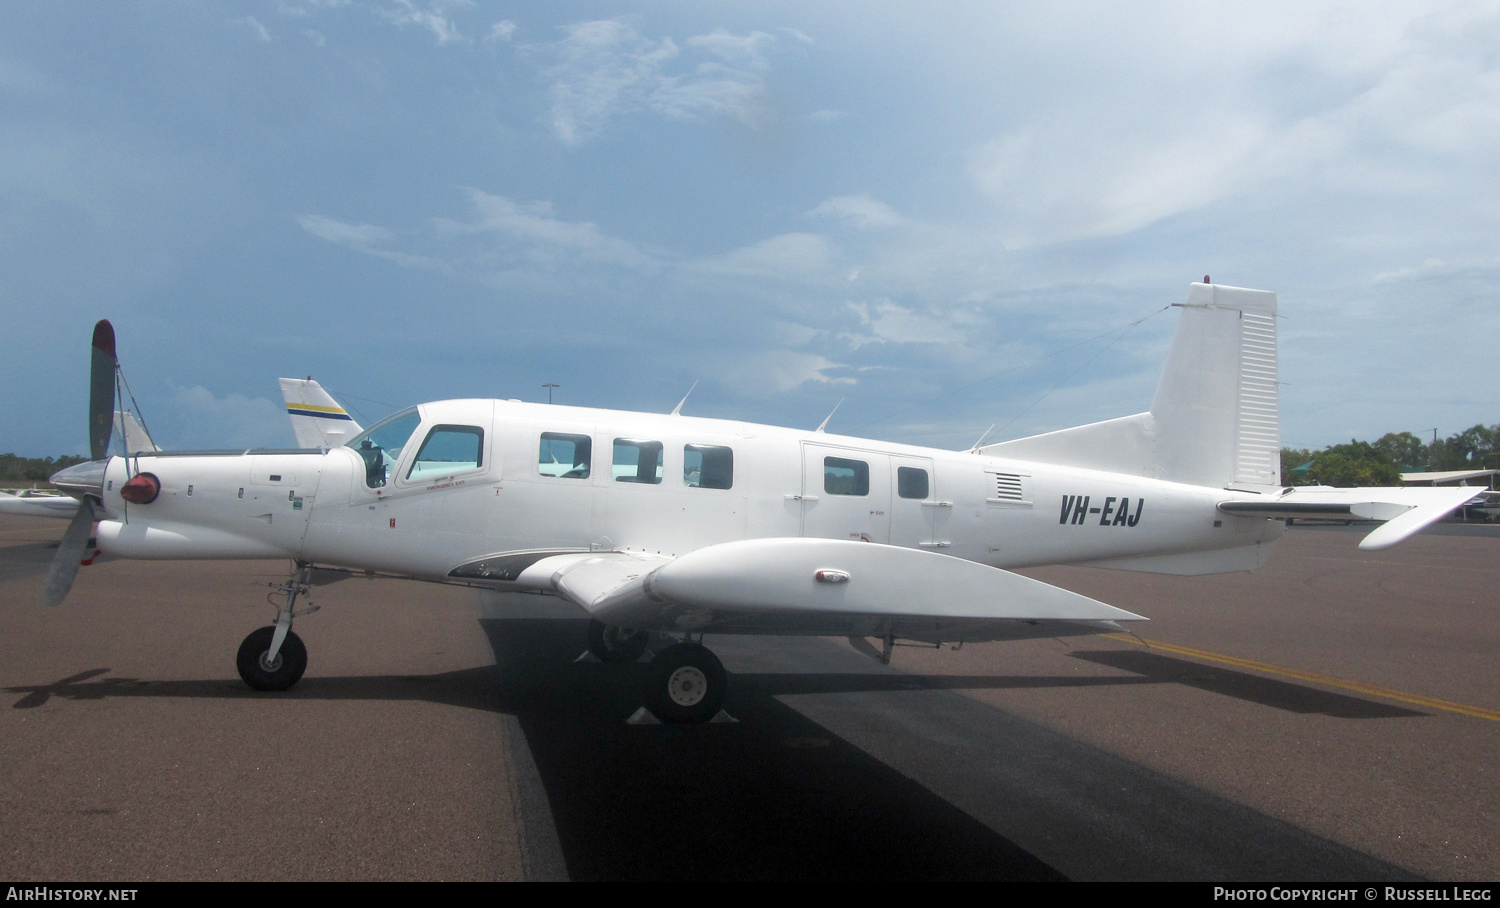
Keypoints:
(507, 476)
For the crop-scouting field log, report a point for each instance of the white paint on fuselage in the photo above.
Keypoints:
(316, 506)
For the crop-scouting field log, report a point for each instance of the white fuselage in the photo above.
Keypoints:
(430, 517)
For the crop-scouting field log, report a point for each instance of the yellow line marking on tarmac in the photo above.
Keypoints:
(1386, 692)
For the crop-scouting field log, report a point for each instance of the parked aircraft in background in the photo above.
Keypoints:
(318, 420)
(682, 527)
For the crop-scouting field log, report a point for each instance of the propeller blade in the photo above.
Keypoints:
(101, 391)
(70, 553)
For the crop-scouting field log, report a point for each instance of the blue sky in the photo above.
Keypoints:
(945, 214)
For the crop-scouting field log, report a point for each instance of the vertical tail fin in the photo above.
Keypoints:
(1214, 421)
(1215, 410)
(135, 436)
(318, 419)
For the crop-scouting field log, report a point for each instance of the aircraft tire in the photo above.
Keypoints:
(291, 661)
(613, 644)
(687, 684)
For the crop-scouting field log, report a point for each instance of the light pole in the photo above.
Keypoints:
(549, 386)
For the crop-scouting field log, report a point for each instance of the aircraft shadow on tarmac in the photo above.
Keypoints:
(773, 796)
(1285, 695)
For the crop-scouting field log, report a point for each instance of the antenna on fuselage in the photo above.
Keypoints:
(975, 449)
(677, 410)
(824, 424)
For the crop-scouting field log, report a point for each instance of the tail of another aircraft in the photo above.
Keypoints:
(1214, 420)
(134, 436)
(318, 419)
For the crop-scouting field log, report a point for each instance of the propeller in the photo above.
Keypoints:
(80, 479)
(102, 390)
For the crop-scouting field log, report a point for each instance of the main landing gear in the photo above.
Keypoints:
(273, 658)
(615, 644)
(685, 683)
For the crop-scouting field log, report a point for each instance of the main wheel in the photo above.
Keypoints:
(274, 674)
(613, 644)
(687, 684)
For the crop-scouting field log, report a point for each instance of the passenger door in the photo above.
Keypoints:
(846, 493)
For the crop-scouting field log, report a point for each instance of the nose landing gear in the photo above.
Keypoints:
(274, 658)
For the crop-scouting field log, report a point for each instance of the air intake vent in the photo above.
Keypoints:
(1010, 487)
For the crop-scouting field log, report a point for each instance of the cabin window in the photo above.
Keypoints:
(845, 477)
(564, 455)
(707, 466)
(911, 482)
(448, 449)
(637, 461)
(380, 445)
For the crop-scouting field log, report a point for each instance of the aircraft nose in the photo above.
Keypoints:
(82, 479)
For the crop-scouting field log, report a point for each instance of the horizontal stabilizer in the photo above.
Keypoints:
(1403, 511)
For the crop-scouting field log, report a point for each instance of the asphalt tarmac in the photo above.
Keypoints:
(1335, 716)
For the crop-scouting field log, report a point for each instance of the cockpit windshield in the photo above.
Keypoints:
(381, 444)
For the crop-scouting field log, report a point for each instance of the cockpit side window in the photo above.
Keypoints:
(448, 449)
(380, 445)
(566, 456)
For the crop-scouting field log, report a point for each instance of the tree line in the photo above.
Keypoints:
(26, 471)
(1381, 463)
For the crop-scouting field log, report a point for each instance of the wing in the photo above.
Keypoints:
(823, 587)
(1402, 511)
(61, 506)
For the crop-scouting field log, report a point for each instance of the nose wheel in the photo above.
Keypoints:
(687, 684)
(263, 671)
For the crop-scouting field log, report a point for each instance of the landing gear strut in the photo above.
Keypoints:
(273, 658)
(614, 644)
(686, 683)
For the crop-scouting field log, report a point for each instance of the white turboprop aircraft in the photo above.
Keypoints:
(682, 527)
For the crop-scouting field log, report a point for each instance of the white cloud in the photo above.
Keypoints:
(433, 17)
(794, 256)
(366, 238)
(859, 211)
(780, 371)
(887, 322)
(547, 237)
(255, 27)
(606, 68)
(234, 421)
(1382, 103)
(501, 31)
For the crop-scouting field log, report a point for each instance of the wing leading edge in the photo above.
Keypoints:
(818, 586)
